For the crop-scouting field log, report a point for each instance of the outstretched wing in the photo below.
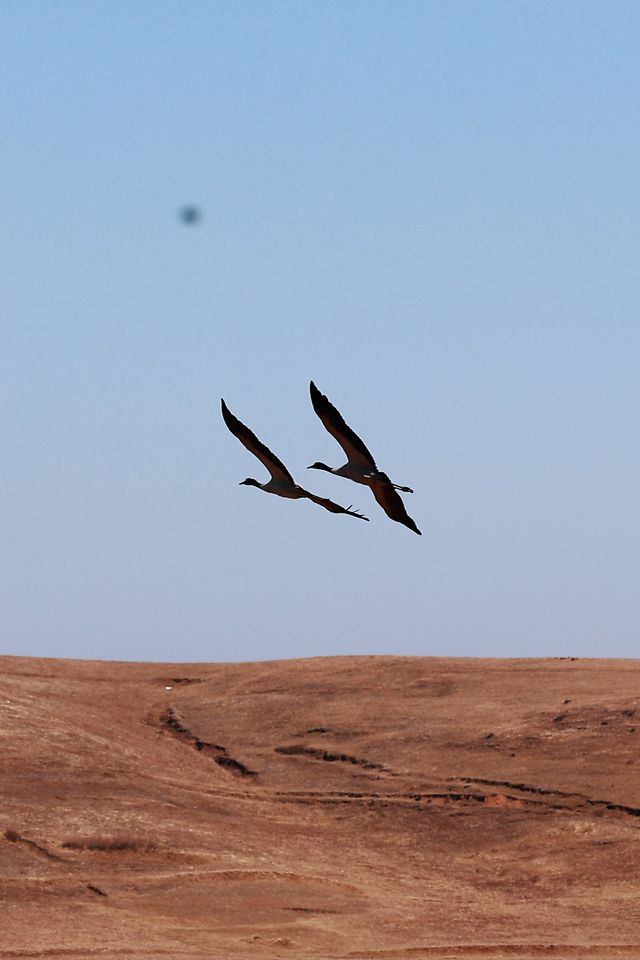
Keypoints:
(247, 437)
(331, 506)
(350, 442)
(391, 502)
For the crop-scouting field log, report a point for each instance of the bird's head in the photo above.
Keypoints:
(249, 482)
(319, 466)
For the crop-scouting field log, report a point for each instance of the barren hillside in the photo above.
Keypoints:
(360, 807)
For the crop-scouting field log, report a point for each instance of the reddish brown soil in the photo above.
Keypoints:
(359, 807)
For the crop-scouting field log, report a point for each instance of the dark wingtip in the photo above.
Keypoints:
(411, 524)
(227, 416)
(354, 513)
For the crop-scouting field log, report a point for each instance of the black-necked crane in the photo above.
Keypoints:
(360, 465)
(281, 482)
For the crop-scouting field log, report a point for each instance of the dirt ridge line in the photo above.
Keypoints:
(14, 837)
(316, 753)
(219, 754)
(528, 788)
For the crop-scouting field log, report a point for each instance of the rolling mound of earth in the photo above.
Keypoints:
(339, 807)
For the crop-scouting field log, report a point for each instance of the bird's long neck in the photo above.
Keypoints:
(321, 466)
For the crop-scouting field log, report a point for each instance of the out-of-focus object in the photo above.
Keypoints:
(190, 215)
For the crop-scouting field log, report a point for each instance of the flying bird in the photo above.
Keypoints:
(281, 482)
(360, 465)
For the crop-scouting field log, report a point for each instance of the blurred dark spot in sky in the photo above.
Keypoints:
(190, 215)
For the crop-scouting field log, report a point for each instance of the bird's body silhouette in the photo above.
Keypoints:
(281, 483)
(360, 466)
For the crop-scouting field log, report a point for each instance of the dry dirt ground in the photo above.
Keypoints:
(357, 807)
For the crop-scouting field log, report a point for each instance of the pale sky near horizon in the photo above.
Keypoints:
(430, 209)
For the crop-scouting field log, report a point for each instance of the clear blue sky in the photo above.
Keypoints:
(431, 209)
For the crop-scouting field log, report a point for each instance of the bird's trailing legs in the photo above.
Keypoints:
(385, 479)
